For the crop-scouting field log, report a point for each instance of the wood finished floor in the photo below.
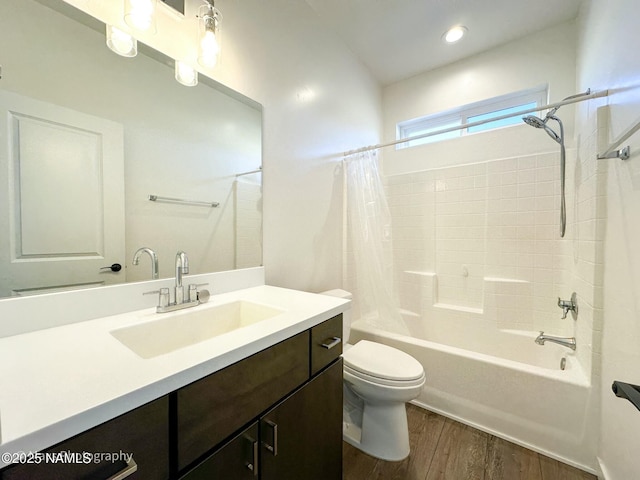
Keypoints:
(443, 449)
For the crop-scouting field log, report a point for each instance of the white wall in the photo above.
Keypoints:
(319, 101)
(546, 57)
(608, 58)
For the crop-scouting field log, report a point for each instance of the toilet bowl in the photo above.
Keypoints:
(378, 381)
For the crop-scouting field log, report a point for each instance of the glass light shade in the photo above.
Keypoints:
(208, 35)
(121, 42)
(186, 75)
(140, 14)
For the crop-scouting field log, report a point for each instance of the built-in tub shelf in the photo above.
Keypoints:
(628, 391)
(458, 308)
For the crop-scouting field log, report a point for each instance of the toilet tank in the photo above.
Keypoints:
(346, 316)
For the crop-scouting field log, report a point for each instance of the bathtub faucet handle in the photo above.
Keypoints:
(569, 306)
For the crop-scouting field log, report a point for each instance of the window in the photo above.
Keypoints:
(474, 112)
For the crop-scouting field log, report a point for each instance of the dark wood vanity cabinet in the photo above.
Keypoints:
(213, 408)
(298, 438)
(274, 415)
(143, 432)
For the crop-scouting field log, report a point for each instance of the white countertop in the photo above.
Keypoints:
(59, 382)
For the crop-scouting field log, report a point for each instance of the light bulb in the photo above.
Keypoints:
(208, 39)
(121, 43)
(139, 14)
(186, 75)
(209, 49)
(454, 34)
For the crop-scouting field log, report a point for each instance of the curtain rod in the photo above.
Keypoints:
(585, 96)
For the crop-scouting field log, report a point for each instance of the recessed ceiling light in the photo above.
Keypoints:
(454, 34)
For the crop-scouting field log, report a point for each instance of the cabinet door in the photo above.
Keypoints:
(213, 408)
(237, 460)
(301, 437)
(143, 432)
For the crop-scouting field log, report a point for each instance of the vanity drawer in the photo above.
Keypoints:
(326, 343)
(211, 409)
(143, 432)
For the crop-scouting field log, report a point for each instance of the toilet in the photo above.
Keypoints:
(378, 381)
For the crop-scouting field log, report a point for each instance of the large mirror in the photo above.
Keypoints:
(87, 136)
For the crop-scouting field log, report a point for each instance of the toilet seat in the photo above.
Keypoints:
(384, 382)
(383, 365)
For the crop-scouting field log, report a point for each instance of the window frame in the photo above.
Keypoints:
(460, 115)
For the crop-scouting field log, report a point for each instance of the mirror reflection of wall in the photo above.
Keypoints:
(182, 142)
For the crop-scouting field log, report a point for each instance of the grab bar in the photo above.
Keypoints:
(157, 198)
(258, 170)
(614, 150)
(627, 391)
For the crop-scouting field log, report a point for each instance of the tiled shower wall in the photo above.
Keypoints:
(484, 239)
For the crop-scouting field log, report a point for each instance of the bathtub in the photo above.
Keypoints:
(501, 382)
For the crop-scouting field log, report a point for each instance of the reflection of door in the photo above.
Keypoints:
(61, 197)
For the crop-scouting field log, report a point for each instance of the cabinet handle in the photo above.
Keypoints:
(131, 467)
(253, 465)
(272, 448)
(329, 343)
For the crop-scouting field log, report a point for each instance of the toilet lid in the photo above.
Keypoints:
(382, 361)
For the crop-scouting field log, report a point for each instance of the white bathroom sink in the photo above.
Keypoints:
(187, 327)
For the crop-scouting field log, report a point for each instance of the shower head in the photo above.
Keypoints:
(540, 123)
(534, 121)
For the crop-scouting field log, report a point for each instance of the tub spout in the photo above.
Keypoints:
(569, 342)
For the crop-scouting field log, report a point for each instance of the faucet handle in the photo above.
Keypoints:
(569, 306)
(193, 292)
(194, 295)
(565, 308)
(163, 297)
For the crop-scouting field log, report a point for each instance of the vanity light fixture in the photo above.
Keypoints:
(454, 34)
(140, 14)
(208, 34)
(186, 75)
(121, 42)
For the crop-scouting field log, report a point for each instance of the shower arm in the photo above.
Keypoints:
(569, 100)
(552, 112)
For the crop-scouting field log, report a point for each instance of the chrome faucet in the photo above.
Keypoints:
(569, 342)
(182, 268)
(180, 301)
(154, 260)
(193, 297)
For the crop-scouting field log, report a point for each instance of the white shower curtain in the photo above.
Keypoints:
(369, 226)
